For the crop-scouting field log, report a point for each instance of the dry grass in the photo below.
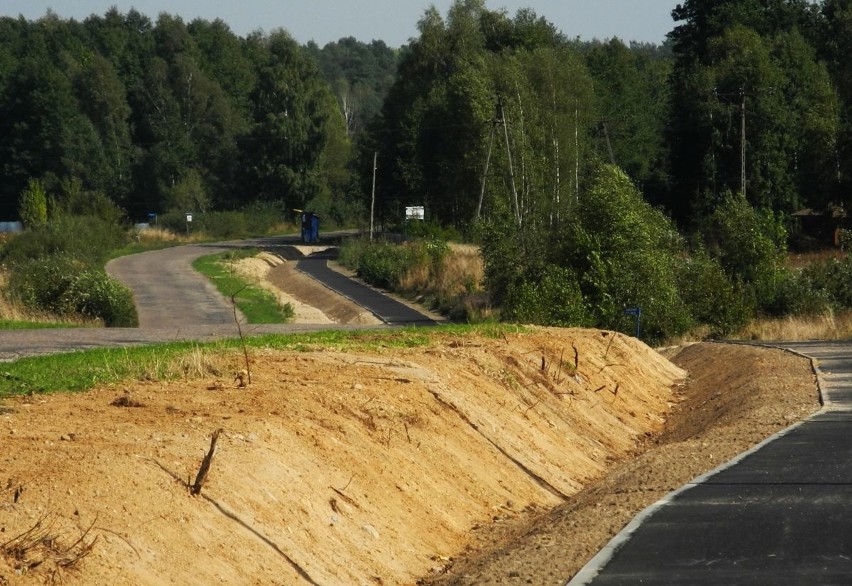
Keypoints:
(828, 326)
(12, 311)
(456, 283)
(804, 259)
(45, 546)
(156, 235)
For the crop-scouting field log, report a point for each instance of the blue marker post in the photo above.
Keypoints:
(637, 311)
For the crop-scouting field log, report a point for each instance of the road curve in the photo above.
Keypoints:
(168, 292)
(174, 302)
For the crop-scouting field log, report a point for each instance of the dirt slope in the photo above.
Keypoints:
(735, 397)
(368, 466)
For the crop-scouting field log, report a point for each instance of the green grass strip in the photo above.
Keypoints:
(79, 371)
(257, 305)
(8, 324)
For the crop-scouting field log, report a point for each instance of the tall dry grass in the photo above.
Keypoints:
(828, 326)
(455, 285)
(156, 235)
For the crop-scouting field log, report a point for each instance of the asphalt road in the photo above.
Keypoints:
(780, 514)
(168, 292)
(174, 302)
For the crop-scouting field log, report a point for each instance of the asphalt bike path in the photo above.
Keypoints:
(780, 514)
(387, 309)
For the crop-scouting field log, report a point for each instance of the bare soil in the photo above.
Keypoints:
(467, 460)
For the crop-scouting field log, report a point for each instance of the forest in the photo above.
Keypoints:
(596, 175)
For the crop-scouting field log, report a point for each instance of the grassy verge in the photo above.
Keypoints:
(79, 371)
(258, 305)
(10, 324)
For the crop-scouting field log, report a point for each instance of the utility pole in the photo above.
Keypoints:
(485, 173)
(576, 151)
(511, 166)
(373, 198)
(743, 142)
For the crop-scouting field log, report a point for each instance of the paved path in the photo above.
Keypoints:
(168, 292)
(175, 302)
(779, 515)
(389, 310)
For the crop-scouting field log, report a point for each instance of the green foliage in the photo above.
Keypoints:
(626, 252)
(552, 297)
(384, 264)
(84, 238)
(258, 219)
(188, 195)
(76, 201)
(830, 279)
(750, 246)
(65, 286)
(32, 207)
(710, 296)
(165, 115)
(94, 294)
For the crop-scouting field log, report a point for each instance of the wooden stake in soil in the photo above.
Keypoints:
(195, 489)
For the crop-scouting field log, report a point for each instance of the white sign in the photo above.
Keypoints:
(415, 213)
(189, 217)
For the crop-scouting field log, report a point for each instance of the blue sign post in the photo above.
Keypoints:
(637, 311)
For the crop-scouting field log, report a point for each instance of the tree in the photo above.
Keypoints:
(632, 91)
(292, 111)
(32, 205)
(750, 95)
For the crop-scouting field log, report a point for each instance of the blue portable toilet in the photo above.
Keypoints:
(310, 228)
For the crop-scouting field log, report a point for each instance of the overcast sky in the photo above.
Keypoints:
(392, 21)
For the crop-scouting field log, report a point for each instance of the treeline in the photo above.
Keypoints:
(165, 115)
(493, 111)
(598, 176)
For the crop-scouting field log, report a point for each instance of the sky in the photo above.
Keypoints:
(392, 21)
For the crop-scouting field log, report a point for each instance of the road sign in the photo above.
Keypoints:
(637, 311)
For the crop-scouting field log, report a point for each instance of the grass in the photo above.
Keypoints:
(83, 370)
(11, 324)
(257, 305)
(828, 326)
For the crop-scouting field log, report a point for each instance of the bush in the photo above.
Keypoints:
(749, 244)
(832, 277)
(710, 296)
(797, 294)
(551, 296)
(85, 238)
(68, 287)
(255, 220)
(626, 253)
(384, 264)
(94, 294)
(32, 206)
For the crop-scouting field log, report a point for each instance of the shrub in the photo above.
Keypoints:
(32, 206)
(94, 294)
(626, 253)
(832, 276)
(66, 286)
(797, 294)
(551, 296)
(749, 244)
(85, 238)
(710, 296)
